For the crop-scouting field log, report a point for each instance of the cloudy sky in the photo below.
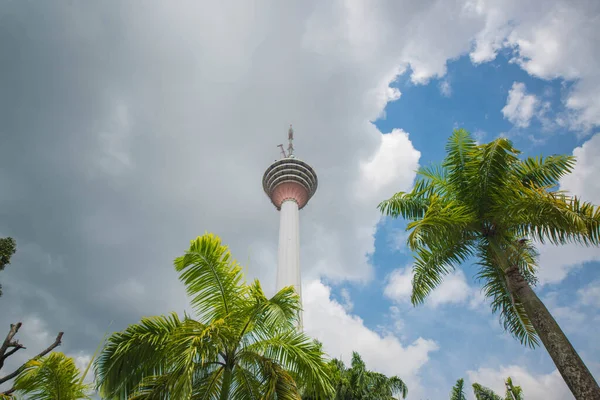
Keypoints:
(129, 128)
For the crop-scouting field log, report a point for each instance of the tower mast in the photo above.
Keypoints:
(290, 152)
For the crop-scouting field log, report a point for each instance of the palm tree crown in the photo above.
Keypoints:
(484, 201)
(458, 391)
(358, 383)
(53, 377)
(242, 345)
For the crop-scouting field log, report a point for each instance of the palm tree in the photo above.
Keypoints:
(483, 201)
(358, 383)
(242, 345)
(512, 392)
(458, 392)
(53, 377)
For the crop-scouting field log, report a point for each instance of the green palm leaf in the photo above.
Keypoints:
(544, 171)
(512, 315)
(406, 205)
(212, 278)
(458, 391)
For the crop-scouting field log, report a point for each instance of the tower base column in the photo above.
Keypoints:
(288, 269)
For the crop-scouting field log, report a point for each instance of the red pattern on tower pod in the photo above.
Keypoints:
(289, 191)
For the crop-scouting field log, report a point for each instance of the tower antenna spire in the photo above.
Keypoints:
(290, 152)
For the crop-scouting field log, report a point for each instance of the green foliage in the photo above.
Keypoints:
(483, 393)
(358, 383)
(8, 247)
(483, 201)
(53, 377)
(458, 391)
(513, 392)
(241, 345)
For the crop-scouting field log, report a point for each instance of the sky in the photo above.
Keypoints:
(129, 128)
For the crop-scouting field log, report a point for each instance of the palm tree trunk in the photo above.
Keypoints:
(576, 375)
(227, 376)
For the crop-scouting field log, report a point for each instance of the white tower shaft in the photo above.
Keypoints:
(288, 268)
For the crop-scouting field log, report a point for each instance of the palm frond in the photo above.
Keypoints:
(461, 149)
(404, 204)
(212, 278)
(432, 263)
(154, 387)
(442, 219)
(552, 216)
(295, 352)
(278, 383)
(281, 310)
(140, 351)
(494, 165)
(511, 311)
(458, 391)
(397, 387)
(432, 179)
(247, 385)
(544, 171)
(208, 383)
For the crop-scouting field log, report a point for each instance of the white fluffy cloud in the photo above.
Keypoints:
(535, 386)
(590, 294)
(553, 39)
(393, 165)
(556, 262)
(454, 289)
(399, 284)
(520, 106)
(341, 333)
(583, 181)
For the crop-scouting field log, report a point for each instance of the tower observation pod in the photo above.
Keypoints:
(290, 183)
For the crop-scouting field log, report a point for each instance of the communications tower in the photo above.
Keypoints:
(290, 183)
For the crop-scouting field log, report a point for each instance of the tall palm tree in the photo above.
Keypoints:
(358, 383)
(458, 391)
(53, 377)
(483, 201)
(512, 392)
(242, 345)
